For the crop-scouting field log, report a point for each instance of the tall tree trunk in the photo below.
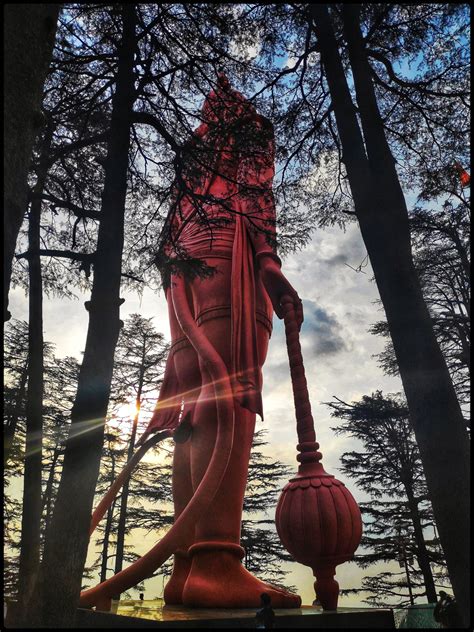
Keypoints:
(30, 30)
(12, 421)
(67, 538)
(124, 499)
(32, 505)
(381, 210)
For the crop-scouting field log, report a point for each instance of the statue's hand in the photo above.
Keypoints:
(277, 286)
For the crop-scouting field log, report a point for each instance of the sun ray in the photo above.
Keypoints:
(129, 410)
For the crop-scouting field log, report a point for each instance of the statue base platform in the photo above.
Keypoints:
(152, 614)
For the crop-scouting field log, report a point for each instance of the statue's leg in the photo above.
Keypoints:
(217, 577)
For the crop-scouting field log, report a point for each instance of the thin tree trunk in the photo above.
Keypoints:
(381, 210)
(407, 573)
(12, 422)
(124, 499)
(30, 30)
(48, 492)
(108, 527)
(31, 505)
(67, 538)
(105, 544)
(32, 482)
(421, 551)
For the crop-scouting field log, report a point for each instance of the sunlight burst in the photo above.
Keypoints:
(127, 410)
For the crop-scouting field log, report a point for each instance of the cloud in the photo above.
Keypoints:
(336, 259)
(245, 49)
(291, 61)
(311, 60)
(322, 330)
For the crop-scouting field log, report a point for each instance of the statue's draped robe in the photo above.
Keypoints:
(235, 168)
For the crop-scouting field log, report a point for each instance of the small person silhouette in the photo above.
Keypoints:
(141, 595)
(265, 616)
(446, 611)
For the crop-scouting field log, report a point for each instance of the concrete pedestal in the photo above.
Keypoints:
(149, 614)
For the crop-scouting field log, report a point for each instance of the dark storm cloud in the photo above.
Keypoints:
(323, 329)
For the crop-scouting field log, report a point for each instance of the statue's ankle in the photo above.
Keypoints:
(211, 554)
(173, 592)
(181, 563)
(213, 546)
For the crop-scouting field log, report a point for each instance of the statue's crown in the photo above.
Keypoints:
(224, 104)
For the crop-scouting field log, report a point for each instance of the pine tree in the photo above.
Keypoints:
(15, 379)
(440, 240)
(375, 185)
(390, 471)
(67, 538)
(31, 507)
(24, 65)
(264, 552)
(138, 366)
(60, 382)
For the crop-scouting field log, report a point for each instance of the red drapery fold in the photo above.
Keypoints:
(246, 374)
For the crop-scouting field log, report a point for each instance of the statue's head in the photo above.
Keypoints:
(225, 106)
(227, 110)
(230, 125)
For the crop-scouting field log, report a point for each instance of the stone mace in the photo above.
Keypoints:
(317, 518)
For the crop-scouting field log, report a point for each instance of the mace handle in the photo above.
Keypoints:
(304, 418)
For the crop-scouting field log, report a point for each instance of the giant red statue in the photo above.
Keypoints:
(223, 217)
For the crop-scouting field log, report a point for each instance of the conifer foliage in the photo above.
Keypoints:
(398, 520)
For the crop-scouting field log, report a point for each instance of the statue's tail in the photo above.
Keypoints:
(146, 565)
(124, 475)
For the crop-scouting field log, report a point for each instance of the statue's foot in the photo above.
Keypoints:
(219, 580)
(95, 598)
(173, 593)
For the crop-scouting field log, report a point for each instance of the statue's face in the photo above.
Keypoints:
(226, 107)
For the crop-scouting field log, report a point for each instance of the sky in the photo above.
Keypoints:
(339, 306)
